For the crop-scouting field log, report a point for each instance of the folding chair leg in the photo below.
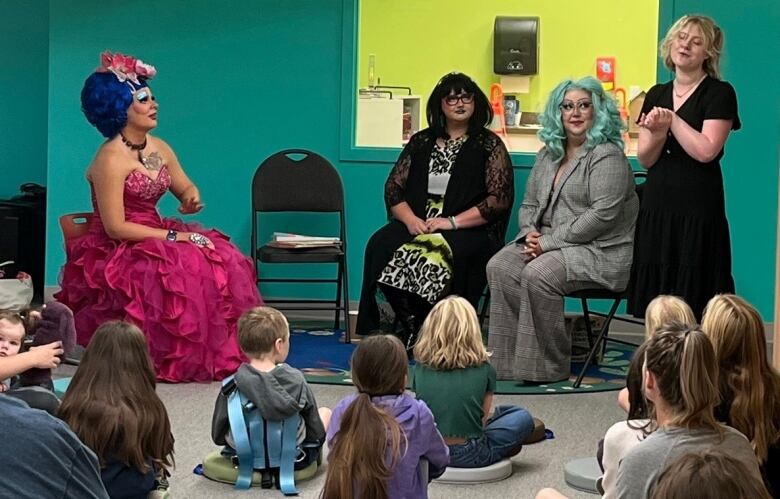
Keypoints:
(484, 308)
(602, 336)
(345, 295)
(340, 281)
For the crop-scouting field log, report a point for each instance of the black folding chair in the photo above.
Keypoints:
(584, 295)
(309, 184)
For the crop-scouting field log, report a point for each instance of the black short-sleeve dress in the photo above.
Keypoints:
(682, 244)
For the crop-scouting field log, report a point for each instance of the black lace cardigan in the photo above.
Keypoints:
(482, 176)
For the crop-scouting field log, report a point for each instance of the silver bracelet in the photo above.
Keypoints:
(452, 222)
(199, 240)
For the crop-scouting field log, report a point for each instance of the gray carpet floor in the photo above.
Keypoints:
(578, 421)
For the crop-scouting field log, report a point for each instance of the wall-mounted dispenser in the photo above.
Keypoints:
(516, 45)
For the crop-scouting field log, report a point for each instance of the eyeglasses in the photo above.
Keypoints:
(580, 105)
(452, 100)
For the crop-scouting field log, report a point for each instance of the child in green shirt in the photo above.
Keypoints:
(453, 376)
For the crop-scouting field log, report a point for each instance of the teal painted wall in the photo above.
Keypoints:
(234, 87)
(235, 84)
(24, 80)
(238, 84)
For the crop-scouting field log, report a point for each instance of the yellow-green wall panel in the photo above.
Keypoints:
(415, 43)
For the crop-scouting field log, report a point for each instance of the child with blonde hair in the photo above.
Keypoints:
(666, 308)
(681, 381)
(749, 385)
(378, 436)
(453, 376)
(661, 310)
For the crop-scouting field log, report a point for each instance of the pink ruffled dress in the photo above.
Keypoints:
(186, 299)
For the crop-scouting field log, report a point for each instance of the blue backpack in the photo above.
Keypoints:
(269, 447)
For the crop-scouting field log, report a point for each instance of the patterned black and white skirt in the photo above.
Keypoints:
(424, 265)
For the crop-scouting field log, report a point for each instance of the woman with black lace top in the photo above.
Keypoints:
(448, 199)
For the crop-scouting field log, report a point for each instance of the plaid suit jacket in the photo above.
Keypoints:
(594, 210)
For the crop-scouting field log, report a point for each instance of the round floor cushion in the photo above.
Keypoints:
(493, 473)
(583, 474)
(219, 468)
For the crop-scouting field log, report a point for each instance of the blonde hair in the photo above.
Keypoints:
(450, 337)
(666, 308)
(715, 475)
(737, 333)
(682, 360)
(712, 37)
(258, 330)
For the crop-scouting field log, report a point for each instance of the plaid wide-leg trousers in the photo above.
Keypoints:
(527, 333)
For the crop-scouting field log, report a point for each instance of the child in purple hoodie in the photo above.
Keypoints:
(378, 437)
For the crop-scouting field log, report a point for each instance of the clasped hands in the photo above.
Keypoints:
(659, 119)
(419, 226)
(531, 247)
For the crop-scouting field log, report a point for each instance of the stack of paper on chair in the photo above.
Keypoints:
(293, 241)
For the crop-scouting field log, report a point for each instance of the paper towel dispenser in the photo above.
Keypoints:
(516, 45)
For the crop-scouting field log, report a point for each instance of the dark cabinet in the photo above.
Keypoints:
(23, 237)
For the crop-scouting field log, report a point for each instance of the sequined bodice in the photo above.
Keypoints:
(141, 194)
(142, 186)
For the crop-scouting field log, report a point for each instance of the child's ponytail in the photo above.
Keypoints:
(357, 458)
(682, 359)
(358, 464)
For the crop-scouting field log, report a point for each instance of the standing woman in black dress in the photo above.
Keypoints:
(682, 244)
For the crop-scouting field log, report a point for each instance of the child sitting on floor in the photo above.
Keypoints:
(278, 390)
(453, 376)
(661, 310)
(378, 437)
(715, 475)
(112, 406)
(749, 385)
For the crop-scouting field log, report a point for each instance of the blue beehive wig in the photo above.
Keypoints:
(105, 101)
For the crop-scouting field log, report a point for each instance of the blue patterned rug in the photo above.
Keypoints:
(323, 357)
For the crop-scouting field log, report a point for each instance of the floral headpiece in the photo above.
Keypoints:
(125, 67)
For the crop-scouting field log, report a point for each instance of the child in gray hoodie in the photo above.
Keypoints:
(278, 390)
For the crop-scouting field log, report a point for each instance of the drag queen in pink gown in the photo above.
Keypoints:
(183, 285)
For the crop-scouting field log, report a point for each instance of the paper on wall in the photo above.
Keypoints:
(516, 84)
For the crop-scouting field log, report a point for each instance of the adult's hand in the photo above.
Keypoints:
(195, 238)
(532, 249)
(437, 224)
(659, 119)
(190, 204)
(416, 226)
(46, 356)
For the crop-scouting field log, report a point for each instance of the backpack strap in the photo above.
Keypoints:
(289, 453)
(238, 429)
(260, 444)
(256, 426)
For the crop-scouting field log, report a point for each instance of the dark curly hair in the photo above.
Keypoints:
(458, 82)
(105, 101)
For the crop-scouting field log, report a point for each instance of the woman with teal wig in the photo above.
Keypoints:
(607, 125)
(576, 232)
